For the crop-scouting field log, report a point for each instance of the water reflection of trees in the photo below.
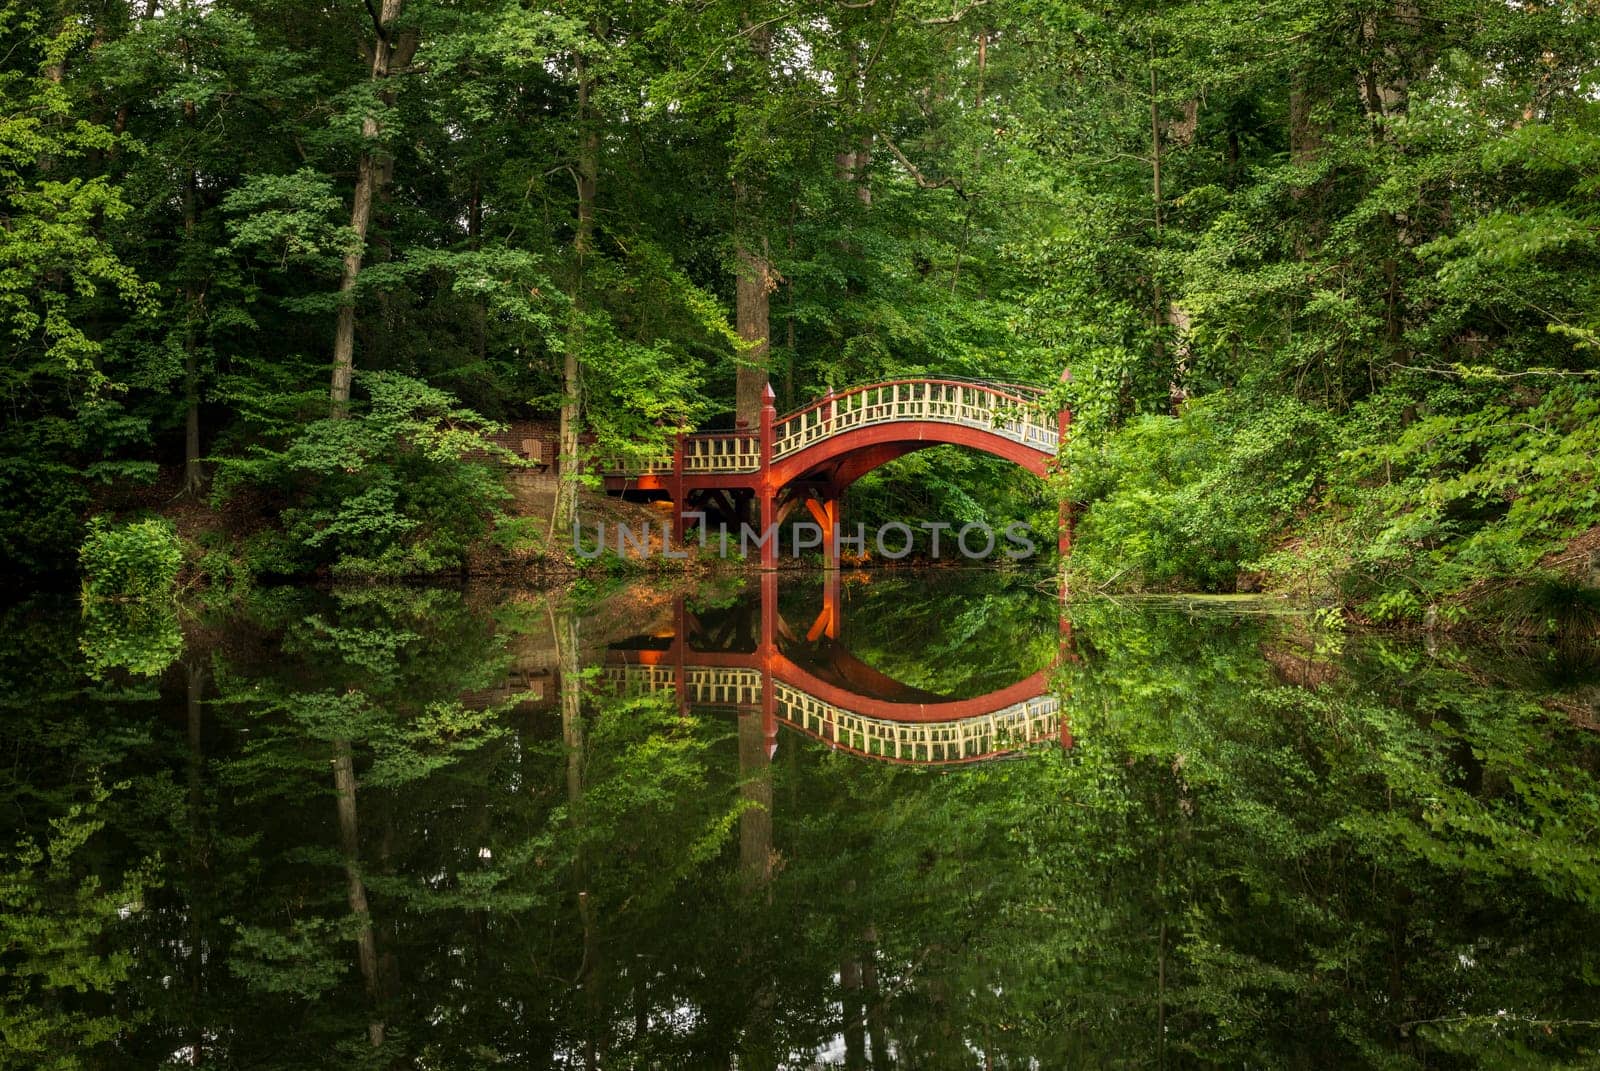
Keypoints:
(1260, 851)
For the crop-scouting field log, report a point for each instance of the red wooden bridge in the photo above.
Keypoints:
(812, 455)
(839, 700)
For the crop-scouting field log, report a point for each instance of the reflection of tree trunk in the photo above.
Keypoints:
(1161, 996)
(641, 1013)
(755, 874)
(869, 981)
(850, 1004)
(945, 1039)
(194, 671)
(572, 736)
(344, 783)
(1161, 934)
(755, 788)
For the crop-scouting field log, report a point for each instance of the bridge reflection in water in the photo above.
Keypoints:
(751, 661)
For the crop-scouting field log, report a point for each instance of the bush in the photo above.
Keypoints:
(130, 562)
(1479, 481)
(390, 491)
(130, 616)
(1192, 499)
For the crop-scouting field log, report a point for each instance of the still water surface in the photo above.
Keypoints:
(897, 820)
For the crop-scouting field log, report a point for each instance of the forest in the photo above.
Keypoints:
(1323, 274)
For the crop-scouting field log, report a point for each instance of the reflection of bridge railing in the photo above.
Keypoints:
(961, 740)
(1004, 411)
(966, 739)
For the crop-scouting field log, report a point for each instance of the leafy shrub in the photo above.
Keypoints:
(1192, 499)
(130, 617)
(131, 561)
(1477, 482)
(391, 490)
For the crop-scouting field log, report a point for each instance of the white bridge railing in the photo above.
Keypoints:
(1008, 411)
(722, 451)
(1005, 411)
(997, 732)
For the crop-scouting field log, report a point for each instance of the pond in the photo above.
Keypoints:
(893, 819)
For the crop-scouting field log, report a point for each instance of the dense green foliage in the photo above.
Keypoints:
(1371, 253)
(1320, 270)
(132, 561)
(1193, 497)
(129, 597)
(401, 486)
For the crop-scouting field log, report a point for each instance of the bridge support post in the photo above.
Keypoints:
(767, 510)
(832, 602)
(678, 504)
(766, 494)
(825, 511)
(769, 653)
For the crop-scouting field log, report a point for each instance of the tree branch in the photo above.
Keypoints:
(923, 181)
(377, 22)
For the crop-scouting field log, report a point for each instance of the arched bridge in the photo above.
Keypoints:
(815, 453)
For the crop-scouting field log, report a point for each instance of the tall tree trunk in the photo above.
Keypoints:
(1305, 137)
(853, 1012)
(1386, 91)
(371, 171)
(194, 312)
(792, 350)
(753, 317)
(587, 180)
(1158, 297)
(754, 279)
